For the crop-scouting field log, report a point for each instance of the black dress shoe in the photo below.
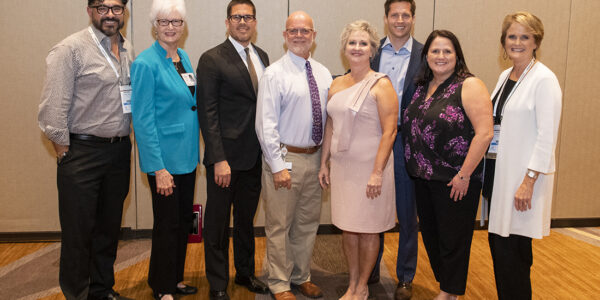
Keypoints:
(218, 295)
(187, 290)
(252, 284)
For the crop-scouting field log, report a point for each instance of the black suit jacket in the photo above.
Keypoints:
(227, 107)
(414, 66)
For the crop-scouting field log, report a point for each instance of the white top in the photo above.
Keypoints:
(527, 141)
(284, 107)
(258, 66)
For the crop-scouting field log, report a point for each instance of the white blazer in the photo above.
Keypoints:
(527, 140)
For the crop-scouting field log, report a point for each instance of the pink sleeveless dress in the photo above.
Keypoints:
(356, 135)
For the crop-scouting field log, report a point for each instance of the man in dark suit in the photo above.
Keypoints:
(228, 77)
(400, 58)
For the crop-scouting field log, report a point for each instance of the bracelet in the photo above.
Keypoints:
(463, 177)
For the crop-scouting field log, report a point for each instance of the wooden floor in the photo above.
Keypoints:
(563, 268)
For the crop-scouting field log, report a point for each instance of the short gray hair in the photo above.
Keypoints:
(165, 7)
(361, 25)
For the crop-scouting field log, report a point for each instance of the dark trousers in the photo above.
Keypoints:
(408, 239)
(173, 217)
(512, 257)
(243, 193)
(447, 230)
(93, 182)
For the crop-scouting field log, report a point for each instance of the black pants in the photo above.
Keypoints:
(173, 217)
(512, 257)
(243, 193)
(447, 230)
(93, 182)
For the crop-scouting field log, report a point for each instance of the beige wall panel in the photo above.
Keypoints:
(28, 174)
(205, 29)
(577, 188)
(331, 16)
(478, 25)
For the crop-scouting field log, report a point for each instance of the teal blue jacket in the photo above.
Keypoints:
(165, 120)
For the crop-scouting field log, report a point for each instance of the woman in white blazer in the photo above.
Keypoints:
(527, 106)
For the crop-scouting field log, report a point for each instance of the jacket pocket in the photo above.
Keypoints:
(172, 129)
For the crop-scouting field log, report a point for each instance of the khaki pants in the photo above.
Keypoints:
(291, 221)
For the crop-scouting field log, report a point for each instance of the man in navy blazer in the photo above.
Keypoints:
(399, 57)
(227, 86)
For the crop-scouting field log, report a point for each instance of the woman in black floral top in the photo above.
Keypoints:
(447, 128)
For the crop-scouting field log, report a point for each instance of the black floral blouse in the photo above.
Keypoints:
(437, 132)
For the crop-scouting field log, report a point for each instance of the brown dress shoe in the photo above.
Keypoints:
(287, 295)
(403, 291)
(309, 290)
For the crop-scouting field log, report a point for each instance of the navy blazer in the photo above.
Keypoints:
(164, 115)
(227, 107)
(414, 66)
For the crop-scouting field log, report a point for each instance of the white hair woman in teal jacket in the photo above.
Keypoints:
(166, 127)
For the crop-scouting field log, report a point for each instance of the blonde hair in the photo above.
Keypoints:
(360, 25)
(533, 23)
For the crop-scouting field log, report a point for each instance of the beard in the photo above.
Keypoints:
(108, 30)
(300, 49)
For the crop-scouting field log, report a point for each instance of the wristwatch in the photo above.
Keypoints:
(531, 174)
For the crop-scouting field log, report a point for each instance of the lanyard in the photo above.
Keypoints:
(499, 93)
(103, 51)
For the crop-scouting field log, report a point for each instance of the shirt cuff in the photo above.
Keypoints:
(59, 136)
(277, 165)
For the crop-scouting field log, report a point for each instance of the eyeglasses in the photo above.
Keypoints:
(302, 31)
(238, 18)
(103, 9)
(165, 22)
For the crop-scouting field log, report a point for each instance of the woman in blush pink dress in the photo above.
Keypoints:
(359, 135)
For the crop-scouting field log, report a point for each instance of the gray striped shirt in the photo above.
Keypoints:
(81, 92)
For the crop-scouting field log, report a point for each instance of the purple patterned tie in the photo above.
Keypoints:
(317, 127)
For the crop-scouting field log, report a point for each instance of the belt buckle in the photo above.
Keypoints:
(114, 139)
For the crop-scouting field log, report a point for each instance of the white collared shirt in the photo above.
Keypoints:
(284, 107)
(253, 55)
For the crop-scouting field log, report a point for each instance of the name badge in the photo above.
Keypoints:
(495, 140)
(126, 98)
(189, 79)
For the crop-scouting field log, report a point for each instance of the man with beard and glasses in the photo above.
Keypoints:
(85, 113)
(228, 77)
(290, 119)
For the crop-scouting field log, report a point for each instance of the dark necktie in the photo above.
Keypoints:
(251, 70)
(317, 127)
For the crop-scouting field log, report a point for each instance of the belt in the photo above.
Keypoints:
(308, 150)
(93, 138)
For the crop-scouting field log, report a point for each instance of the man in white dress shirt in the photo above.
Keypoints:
(290, 119)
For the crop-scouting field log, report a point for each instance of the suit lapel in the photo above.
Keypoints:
(415, 56)
(234, 57)
(263, 56)
(377, 58)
